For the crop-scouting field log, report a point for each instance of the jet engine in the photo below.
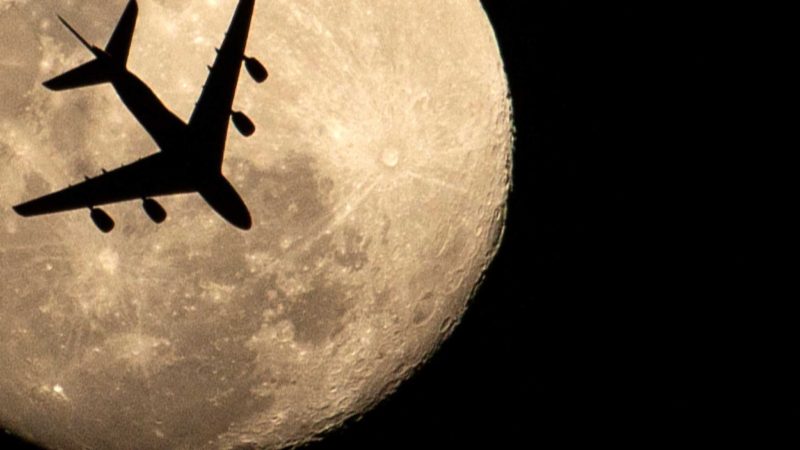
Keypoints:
(256, 70)
(103, 221)
(243, 123)
(154, 210)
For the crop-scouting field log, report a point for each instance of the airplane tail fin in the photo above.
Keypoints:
(114, 57)
(119, 45)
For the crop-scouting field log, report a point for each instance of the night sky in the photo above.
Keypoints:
(618, 310)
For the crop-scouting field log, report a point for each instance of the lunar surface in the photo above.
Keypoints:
(377, 181)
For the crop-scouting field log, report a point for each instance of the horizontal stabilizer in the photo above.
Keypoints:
(89, 74)
(76, 34)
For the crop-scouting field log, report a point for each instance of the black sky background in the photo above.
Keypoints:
(620, 308)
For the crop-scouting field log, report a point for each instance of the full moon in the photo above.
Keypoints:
(377, 181)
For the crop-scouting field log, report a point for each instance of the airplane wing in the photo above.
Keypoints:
(147, 177)
(209, 121)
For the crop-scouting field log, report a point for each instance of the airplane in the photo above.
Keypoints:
(191, 154)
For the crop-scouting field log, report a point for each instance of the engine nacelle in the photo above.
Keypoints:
(256, 70)
(154, 210)
(102, 220)
(243, 123)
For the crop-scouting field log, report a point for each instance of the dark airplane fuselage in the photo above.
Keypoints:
(167, 129)
(170, 133)
(195, 170)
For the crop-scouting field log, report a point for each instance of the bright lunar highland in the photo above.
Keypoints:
(377, 181)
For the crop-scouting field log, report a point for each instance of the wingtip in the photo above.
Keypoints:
(64, 21)
(20, 209)
(74, 32)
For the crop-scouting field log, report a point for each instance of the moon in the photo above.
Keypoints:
(377, 182)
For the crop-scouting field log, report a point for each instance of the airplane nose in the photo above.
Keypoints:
(244, 222)
(224, 199)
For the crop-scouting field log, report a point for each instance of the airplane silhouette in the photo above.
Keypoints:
(190, 157)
